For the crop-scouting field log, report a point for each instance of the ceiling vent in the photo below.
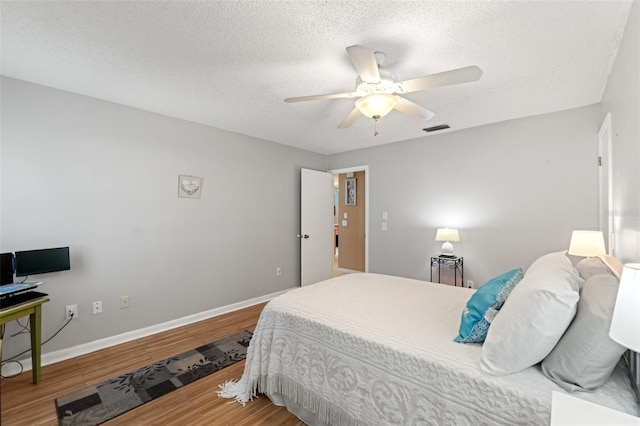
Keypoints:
(436, 128)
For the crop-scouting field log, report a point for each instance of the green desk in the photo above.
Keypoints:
(34, 310)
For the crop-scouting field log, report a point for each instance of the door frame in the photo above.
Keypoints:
(367, 179)
(605, 207)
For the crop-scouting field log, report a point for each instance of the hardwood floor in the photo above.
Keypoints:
(23, 403)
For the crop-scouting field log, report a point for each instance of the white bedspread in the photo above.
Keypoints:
(368, 349)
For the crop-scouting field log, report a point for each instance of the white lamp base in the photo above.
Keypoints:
(447, 249)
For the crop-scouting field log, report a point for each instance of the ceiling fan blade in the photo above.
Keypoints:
(319, 97)
(446, 78)
(350, 119)
(364, 61)
(405, 106)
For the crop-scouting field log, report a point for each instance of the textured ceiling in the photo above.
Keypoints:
(230, 64)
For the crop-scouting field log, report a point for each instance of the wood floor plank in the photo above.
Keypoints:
(23, 403)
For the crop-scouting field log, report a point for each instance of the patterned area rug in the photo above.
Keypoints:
(97, 404)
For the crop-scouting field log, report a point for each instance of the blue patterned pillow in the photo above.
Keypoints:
(484, 306)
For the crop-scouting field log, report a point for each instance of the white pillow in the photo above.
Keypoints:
(559, 261)
(591, 266)
(534, 316)
(585, 356)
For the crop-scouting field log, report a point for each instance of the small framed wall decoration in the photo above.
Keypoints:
(350, 192)
(189, 186)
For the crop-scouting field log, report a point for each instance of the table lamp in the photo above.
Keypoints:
(447, 235)
(625, 323)
(587, 243)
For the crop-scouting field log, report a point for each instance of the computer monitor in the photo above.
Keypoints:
(32, 262)
(6, 268)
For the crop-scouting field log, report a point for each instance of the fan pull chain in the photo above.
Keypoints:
(375, 127)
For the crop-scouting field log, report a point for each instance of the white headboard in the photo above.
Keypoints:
(614, 264)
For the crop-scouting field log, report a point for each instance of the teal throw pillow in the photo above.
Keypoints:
(484, 305)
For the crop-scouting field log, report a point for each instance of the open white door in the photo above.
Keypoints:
(316, 222)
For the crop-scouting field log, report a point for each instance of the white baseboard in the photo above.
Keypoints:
(11, 369)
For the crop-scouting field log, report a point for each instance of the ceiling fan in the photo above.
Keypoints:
(378, 91)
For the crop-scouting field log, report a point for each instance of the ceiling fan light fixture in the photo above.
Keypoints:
(377, 105)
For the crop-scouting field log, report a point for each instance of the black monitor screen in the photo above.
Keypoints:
(33, 262)
(6, 268)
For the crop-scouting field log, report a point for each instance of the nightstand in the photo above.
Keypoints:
(569, 410)
(454, 263)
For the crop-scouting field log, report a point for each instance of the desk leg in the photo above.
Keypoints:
(36, 339)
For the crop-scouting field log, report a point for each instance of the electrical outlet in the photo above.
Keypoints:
(278, 271)
(97, 307)
(71, 311)
(124, 302)
(471, 284)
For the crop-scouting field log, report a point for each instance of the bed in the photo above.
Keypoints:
(370, 349)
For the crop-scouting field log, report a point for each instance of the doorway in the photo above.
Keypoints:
(351, 220)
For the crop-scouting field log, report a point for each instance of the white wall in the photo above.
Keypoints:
(622, 99)
(102, 179)
(515, 190)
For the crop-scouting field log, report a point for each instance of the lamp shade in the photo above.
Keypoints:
(587, 243)
(625, 324)
(376, 105)
(447, 234)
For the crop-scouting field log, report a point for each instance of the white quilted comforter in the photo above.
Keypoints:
(368, 349)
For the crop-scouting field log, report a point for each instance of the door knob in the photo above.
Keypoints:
(305, 236)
